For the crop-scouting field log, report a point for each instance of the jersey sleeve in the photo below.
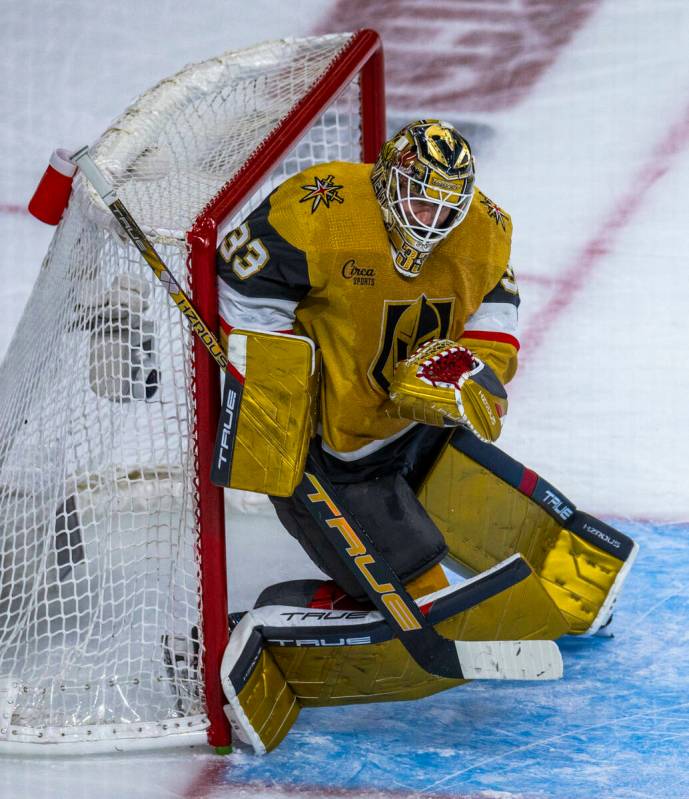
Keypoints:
(491, 331)
(261, 276)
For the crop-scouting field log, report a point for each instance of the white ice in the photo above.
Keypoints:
(593, 166)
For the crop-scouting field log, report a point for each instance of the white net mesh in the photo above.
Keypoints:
(99, 567)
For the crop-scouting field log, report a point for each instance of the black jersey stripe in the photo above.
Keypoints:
(285, 275)
(501, 294)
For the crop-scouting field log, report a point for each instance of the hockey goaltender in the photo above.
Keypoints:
(392, 283)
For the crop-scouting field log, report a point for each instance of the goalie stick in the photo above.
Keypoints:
(470, 660)
(513, 660)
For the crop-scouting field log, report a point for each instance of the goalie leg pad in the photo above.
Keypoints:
(283, 658)
(279, 385)
(488, 506)
(261, 706)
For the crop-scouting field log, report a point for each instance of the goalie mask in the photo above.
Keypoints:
(424, 182)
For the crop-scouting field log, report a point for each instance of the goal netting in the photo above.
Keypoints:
(102, 620)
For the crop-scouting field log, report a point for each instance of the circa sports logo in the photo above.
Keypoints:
(359, 275)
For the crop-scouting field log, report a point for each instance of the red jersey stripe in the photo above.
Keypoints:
(489, 335)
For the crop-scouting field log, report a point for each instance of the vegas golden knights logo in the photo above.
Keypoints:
(406, 325)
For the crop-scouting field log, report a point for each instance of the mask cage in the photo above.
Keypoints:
(406, 191)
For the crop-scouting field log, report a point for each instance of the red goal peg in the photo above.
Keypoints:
(52, 193)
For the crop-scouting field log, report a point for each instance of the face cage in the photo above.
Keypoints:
(403, 189)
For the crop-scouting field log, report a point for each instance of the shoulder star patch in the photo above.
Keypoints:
(323, 191)
(494, 210)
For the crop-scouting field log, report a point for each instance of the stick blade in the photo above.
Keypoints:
(510, 660)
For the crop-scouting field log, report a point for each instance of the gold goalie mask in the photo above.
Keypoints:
(424, 182)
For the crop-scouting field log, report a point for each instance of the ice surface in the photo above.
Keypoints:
(593, 164)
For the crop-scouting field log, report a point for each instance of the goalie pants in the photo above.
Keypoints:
(379, 492)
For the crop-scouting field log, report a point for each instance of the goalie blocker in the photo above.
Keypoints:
(268, 412)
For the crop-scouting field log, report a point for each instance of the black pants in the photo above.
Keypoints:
(379, 492)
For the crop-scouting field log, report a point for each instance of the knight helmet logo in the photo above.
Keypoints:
(407, 324)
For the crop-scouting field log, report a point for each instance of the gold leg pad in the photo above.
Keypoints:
(383, 672)
(428, 582)
(485, 519)
(578, 576)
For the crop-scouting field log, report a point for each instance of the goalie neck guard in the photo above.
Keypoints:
(424, 182)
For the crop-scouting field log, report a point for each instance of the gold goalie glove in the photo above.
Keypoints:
(443, 384)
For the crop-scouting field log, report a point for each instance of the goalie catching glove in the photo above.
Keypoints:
(443, 384)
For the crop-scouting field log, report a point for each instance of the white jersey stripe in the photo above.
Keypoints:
(256, 313)
(367, 449)
(498, 317)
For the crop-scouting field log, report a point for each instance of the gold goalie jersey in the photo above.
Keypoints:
(314, 258)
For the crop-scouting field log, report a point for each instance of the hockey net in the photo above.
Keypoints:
(106, 409)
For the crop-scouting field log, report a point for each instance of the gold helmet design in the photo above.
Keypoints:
(424, 182)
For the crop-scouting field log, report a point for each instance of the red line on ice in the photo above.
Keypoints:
(215, 779)
(10, 208)
(577, 274)
(541, 280)
(462, 55)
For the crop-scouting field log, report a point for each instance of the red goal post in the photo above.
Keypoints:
(361, 58)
